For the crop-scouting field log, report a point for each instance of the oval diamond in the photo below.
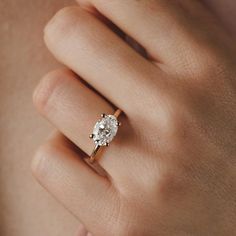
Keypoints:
(105, 130)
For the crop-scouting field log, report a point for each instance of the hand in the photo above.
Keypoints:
(171, 170)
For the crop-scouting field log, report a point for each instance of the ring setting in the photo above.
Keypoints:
(104, 131)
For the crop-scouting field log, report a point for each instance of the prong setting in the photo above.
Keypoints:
(105, 130)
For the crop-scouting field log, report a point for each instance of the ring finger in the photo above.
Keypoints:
(74, 108)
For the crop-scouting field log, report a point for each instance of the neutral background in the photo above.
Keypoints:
(25, 208)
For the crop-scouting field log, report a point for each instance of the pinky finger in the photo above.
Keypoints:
(60, 169)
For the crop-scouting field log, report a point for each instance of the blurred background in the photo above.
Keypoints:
(26, 209)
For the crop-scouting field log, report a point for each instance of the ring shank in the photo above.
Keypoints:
(93, 155)
(117, 113)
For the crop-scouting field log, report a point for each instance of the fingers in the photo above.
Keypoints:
(61, 170)
(152, 23)
(71, 106)
(98, 55)
(74, 109)
(172, 32)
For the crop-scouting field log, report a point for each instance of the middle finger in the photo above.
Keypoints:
(99, 56)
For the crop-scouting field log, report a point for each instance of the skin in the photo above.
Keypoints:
(171, 170)
(17, 202)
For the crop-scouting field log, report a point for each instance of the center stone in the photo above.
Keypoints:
(105, 130)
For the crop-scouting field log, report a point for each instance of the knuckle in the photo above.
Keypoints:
(172, 184)
(39, 162)
(63, 21)
(45, 89)
(175, 120)
(207, 66)
(178, 124)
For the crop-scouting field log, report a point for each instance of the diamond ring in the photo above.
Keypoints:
(104, 132)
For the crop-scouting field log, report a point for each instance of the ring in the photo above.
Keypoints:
(104, 132)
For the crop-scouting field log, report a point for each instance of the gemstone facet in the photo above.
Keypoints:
(105, 130)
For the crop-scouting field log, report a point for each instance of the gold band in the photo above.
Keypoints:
(97, 147)
(117, 113)
(94, 153)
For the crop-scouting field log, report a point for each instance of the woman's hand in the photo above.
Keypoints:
(172, 167)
